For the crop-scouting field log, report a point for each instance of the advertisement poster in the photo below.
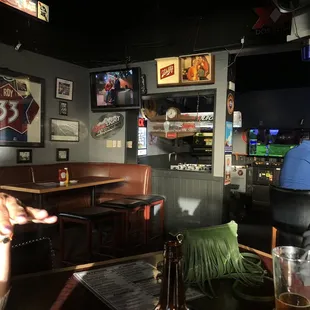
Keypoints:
(168, 71)
(107, 126)
(228, 137)
(20, 111)
(227, 169)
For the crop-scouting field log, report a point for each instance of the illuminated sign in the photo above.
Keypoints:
(141, 122)
(31, 7)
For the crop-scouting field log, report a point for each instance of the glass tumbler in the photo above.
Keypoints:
(291, 274)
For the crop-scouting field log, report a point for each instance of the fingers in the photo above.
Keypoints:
(5, 224)
(16, 212)
(40, 216)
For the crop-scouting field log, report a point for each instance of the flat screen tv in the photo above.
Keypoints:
(115, 90)
(271, 142)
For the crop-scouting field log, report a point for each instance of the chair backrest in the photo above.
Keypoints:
(290, 209)
(32, 256)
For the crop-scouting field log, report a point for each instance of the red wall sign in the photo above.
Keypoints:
(141, 122)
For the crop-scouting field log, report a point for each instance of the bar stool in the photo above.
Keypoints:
(88, 216)
(134, 223)
(154, 215)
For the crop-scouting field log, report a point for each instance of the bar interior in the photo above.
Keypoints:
(141, 172)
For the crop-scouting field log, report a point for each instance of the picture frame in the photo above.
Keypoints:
(63, 108)
(23, 125)
(143, 84)
(64, 89)
(62, 154)
(64, 130)
(197, 69)
(23, 156)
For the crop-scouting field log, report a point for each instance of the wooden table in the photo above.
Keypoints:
(57, 289)
(39, 189)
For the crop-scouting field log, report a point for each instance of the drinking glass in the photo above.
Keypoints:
(291, 273)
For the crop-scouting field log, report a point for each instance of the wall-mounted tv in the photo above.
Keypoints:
(115, 90)
(272, 142)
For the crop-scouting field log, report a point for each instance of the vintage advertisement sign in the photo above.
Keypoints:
(43, 11)
(107, 126)
(168, 71)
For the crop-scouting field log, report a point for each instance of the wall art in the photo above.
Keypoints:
(64, 130)
(64, 89)
(21, 109)
(107, 126)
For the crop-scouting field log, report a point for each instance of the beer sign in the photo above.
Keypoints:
(168, 71)
(107, 126)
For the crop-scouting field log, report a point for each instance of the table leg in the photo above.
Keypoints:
(93, 196)
(38, 200)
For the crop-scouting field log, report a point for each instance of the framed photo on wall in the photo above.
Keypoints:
(197, 69)
(21, 109)
(64, 89)
(64, 130)
(62, 154)
(63, 108)
(23, 156)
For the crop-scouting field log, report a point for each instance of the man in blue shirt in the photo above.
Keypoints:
(295, 173)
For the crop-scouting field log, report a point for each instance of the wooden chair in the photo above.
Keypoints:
(290, 215)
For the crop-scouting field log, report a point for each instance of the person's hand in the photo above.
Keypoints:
(11, 213)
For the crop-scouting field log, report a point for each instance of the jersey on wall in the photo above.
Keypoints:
(20, 110)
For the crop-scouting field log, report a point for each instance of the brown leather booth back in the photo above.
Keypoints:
(80, 170)
(138, 179)
(48, 173)
(16, 175)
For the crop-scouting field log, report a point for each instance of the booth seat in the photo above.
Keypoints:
(17, 175)
(137, 182)
(290, 215)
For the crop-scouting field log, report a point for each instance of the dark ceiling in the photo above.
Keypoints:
(272, 71)
(100, 33)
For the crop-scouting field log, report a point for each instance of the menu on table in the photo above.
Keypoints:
(131, 286)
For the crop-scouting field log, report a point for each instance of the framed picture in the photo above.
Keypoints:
(23, 156)
(63, 108)
(62, 154)
(168, 71)
(21, 109)
(64, 89)
(197, 69)
(64, 130)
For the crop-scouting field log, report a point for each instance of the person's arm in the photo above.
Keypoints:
(4, 273)
(11, 213)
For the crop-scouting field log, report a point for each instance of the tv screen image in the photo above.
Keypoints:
(115, 89)
(271, 142)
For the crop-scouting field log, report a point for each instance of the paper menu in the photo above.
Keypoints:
(130, 286)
